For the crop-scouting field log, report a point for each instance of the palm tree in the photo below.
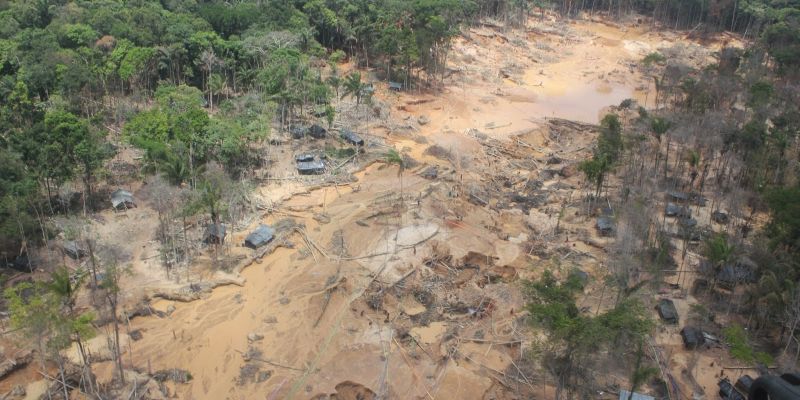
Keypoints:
(353, 86)
(175, 169)
(660, 126)
(718, 252)
(216, 84)
(393, 157)
(76, 326)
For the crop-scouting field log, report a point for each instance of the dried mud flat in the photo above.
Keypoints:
(388, 286)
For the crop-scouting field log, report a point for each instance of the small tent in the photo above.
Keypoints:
(728, 392)
(674, 195)
(122, 200)
(310, 167)
(73, 250)
(298, 131)
(720, 217)
(626, 395)
(667, 311)
(674, 210)
(317, 132)
(605, 225)
(743, 383)
(431, 172)
(692, 337)
(259, 237)
(351, 137)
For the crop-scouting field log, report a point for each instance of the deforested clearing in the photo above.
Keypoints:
(398, 200)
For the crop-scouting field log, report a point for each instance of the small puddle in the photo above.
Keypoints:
(584, 103)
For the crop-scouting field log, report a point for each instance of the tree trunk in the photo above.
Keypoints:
(112, 302)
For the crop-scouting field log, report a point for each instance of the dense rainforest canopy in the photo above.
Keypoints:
(72, 70)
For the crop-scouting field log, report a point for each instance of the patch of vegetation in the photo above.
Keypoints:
(653, 58)
(344, 152)
(740, 347)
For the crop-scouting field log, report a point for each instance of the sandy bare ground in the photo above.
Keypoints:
(411, 296)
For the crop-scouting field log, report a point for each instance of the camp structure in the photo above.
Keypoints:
(215, 234)
(667, 311)
(692, 337)
(73, 250)
(368, 89)
(687, 222)
(310, 167)
(673, 195)
(626, 395)
(395, 86)
(581, 275)
(21, 263)
(122, 200)
(320, 111)
(728, 392)
(304, 157)
(741, 271)
(351, 137)
(720, 217)
(605, 225)
(674, 210)
(317, 132)
(431, 172)
(298, 131)
(744, 383)
(259, 237)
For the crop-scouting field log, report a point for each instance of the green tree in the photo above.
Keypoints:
(394, 157)
(77, 144)
(719, 252)
(353, 86)
(784, 226)
(216, 84)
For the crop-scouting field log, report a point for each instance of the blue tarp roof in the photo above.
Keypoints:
(605, 224)
(259, 237)
(625, 395)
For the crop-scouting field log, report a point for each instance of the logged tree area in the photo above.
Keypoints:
(399, 199)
